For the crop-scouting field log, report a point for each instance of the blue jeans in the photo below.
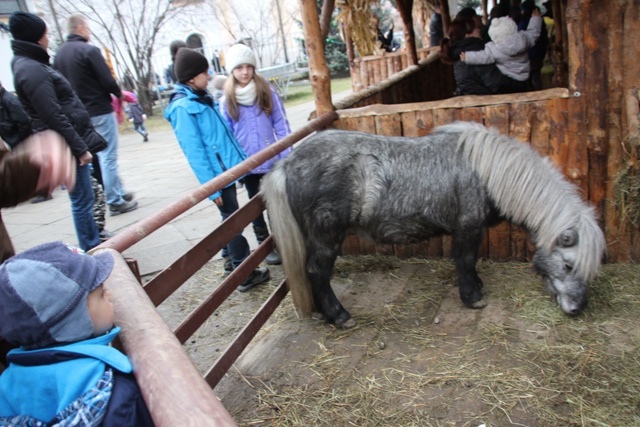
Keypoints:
(107, 126)
(238, 248)
(82, 210)
(139, 127)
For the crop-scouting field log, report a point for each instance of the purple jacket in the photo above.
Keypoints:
(254, 130)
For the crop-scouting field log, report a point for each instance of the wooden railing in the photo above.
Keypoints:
(179, 395)
(369, 70)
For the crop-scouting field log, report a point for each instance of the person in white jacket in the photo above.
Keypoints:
(508, 47)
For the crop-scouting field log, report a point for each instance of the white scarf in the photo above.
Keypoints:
(247, 95)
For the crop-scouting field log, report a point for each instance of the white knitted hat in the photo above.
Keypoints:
(502, 28)
(239, 54)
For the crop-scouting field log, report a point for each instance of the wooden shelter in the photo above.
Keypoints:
(588, 123)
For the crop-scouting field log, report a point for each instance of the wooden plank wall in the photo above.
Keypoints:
(432, 81)
(374, 69)
(540, 119)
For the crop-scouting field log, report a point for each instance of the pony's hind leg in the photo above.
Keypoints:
(465, 255)
(320, 262)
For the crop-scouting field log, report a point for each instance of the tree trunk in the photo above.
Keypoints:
(318, 70)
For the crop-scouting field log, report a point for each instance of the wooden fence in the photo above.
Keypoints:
(369, 70)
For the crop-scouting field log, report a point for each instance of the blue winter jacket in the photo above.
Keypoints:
(43, 383)
(255, 130)
(204, 137)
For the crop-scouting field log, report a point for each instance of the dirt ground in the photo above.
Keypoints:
(418, 357)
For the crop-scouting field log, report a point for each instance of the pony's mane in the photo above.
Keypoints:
(529, 190)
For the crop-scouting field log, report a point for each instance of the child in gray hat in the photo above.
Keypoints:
(53, 304)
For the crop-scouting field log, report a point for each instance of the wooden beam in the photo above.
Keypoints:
(318, 70)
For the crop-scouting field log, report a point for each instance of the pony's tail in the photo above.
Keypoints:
(288, 238)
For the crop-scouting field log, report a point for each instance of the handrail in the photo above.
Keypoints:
(178, 396)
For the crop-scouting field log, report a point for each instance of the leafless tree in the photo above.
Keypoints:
(256, 22)
(128, 29)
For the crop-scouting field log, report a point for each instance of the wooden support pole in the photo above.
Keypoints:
(405, 7)
(171, 386)
(446, 17)
(318, 70)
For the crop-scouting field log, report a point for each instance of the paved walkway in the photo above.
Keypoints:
(159, 174)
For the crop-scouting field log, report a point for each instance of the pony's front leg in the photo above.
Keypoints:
(320, 265)
(465, 255)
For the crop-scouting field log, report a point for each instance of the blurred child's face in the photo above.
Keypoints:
(100, 310)
(243, 74)
(200, 81)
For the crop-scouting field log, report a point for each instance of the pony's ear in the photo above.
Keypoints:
(568, 238)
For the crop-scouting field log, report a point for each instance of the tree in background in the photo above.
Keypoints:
(258, 23)
(128, 29)
(335, 49)
(475, 4)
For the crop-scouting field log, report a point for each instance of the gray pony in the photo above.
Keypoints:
(458, 180)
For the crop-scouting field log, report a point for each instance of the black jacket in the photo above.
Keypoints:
(87, 71)
(48, 99)
(473, 79)
(15, 123)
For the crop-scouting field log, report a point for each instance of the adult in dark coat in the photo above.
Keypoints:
(436, 32)
(15, 125)
(173, 51)
(539, 50)
(87, 71)
(52, 104)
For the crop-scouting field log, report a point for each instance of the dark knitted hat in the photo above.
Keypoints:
(189, 63)
(26, 27)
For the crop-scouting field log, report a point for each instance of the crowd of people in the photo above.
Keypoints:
(504, 56)
(62, 130)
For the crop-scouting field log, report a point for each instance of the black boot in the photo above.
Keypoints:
(261, 235)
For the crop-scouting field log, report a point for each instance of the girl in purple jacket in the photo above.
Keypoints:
(254, 111)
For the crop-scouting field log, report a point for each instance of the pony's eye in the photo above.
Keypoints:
(568, 267)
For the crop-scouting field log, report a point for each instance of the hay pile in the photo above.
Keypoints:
(418, 358)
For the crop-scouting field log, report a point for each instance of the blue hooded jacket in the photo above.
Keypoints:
(41, 384)
(204, 137)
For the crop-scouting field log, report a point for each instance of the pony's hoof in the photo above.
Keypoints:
(347, 324)
(317, 316)
(479, 304)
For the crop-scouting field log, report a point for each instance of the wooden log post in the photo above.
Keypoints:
(405, 7)
(318, 69)
(172, 388)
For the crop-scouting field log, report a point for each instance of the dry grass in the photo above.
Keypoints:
(414, 361)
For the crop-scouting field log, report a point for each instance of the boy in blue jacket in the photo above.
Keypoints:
(53, 304)
(209, 146)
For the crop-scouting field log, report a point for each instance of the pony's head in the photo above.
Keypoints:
(570, 263)
(557, 268)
